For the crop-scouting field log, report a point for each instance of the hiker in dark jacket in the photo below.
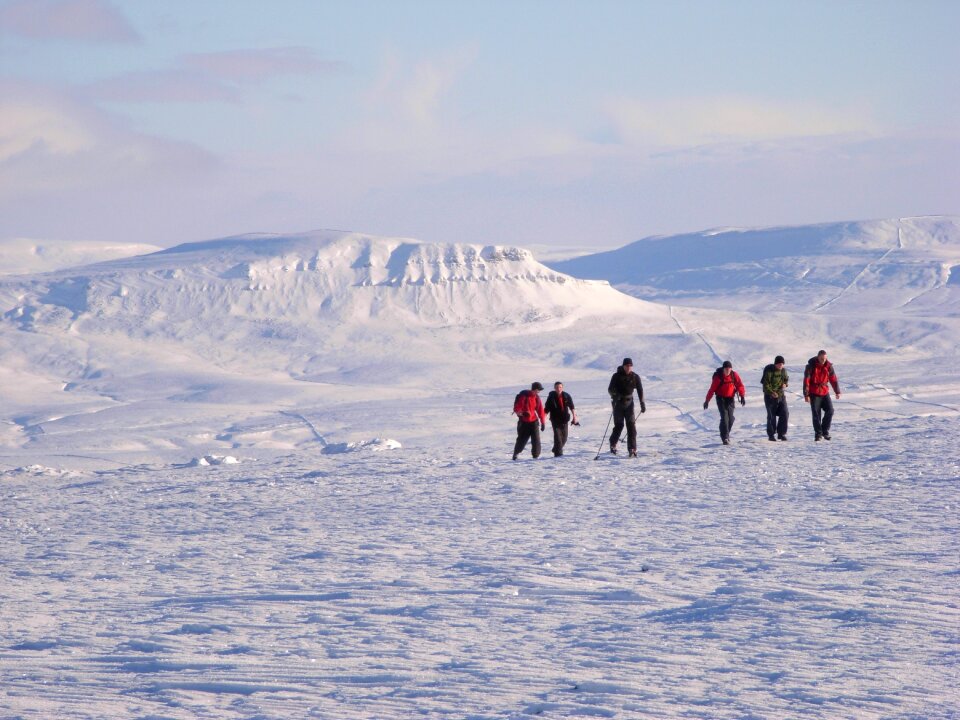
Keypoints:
(621, 388)
(818, 376)
(528, 407)
(560, 407)
(727, 385)
(774, 381)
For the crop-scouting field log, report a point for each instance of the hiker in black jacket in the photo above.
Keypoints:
(560, 407)
(622, 386)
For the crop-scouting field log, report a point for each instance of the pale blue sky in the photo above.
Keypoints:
(526, 122)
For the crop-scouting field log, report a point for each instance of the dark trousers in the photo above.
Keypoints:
(777, 415)
(528, 431)
(623, 414)
(822, 408)
(725, 406)
(559, 437)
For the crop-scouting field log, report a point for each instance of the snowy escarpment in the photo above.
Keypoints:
(319, 277)
(236, 326)
(291, 304)
(908, 264)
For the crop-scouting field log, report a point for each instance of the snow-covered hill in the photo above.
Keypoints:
(910, 265)
(246, 320)
(325, 278)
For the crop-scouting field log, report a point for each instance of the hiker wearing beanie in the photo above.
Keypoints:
(727, 385)
(560, 407)
(774, 381)
(818, 376)
(529, 409)
(621, 388)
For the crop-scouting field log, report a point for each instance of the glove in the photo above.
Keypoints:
(543, 427)
(743, 400)
(643, 407)
(706, 404)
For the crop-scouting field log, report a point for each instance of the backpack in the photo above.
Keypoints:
(718, 373)
(763, 378)
(525, 405)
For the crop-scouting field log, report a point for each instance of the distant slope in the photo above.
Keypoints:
(20, 256)
(910, 264)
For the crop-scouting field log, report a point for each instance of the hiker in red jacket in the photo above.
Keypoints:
(818, 376)
(727, 385)
(528, 407)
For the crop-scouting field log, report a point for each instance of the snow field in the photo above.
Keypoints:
(760, 580)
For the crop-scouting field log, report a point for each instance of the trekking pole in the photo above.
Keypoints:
(604, 436)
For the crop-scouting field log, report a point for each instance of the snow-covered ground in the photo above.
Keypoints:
(270, 477)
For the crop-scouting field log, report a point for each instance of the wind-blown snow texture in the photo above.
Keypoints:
(269, 477)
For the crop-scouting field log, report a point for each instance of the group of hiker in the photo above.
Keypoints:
(726, 385)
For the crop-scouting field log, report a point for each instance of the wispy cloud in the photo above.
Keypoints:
(413, 93)
(51, 139)
(96, 21)
(164, 86)
(26, 124)
(258, 65)
(213, 77)
(699, 121)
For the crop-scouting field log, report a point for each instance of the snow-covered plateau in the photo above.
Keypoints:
(270, 477)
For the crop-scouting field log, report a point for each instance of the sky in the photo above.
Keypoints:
(530, 122)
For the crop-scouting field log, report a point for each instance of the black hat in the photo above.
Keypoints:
(779, 359)
(536, 386)
(627, 361)
(727, 363)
